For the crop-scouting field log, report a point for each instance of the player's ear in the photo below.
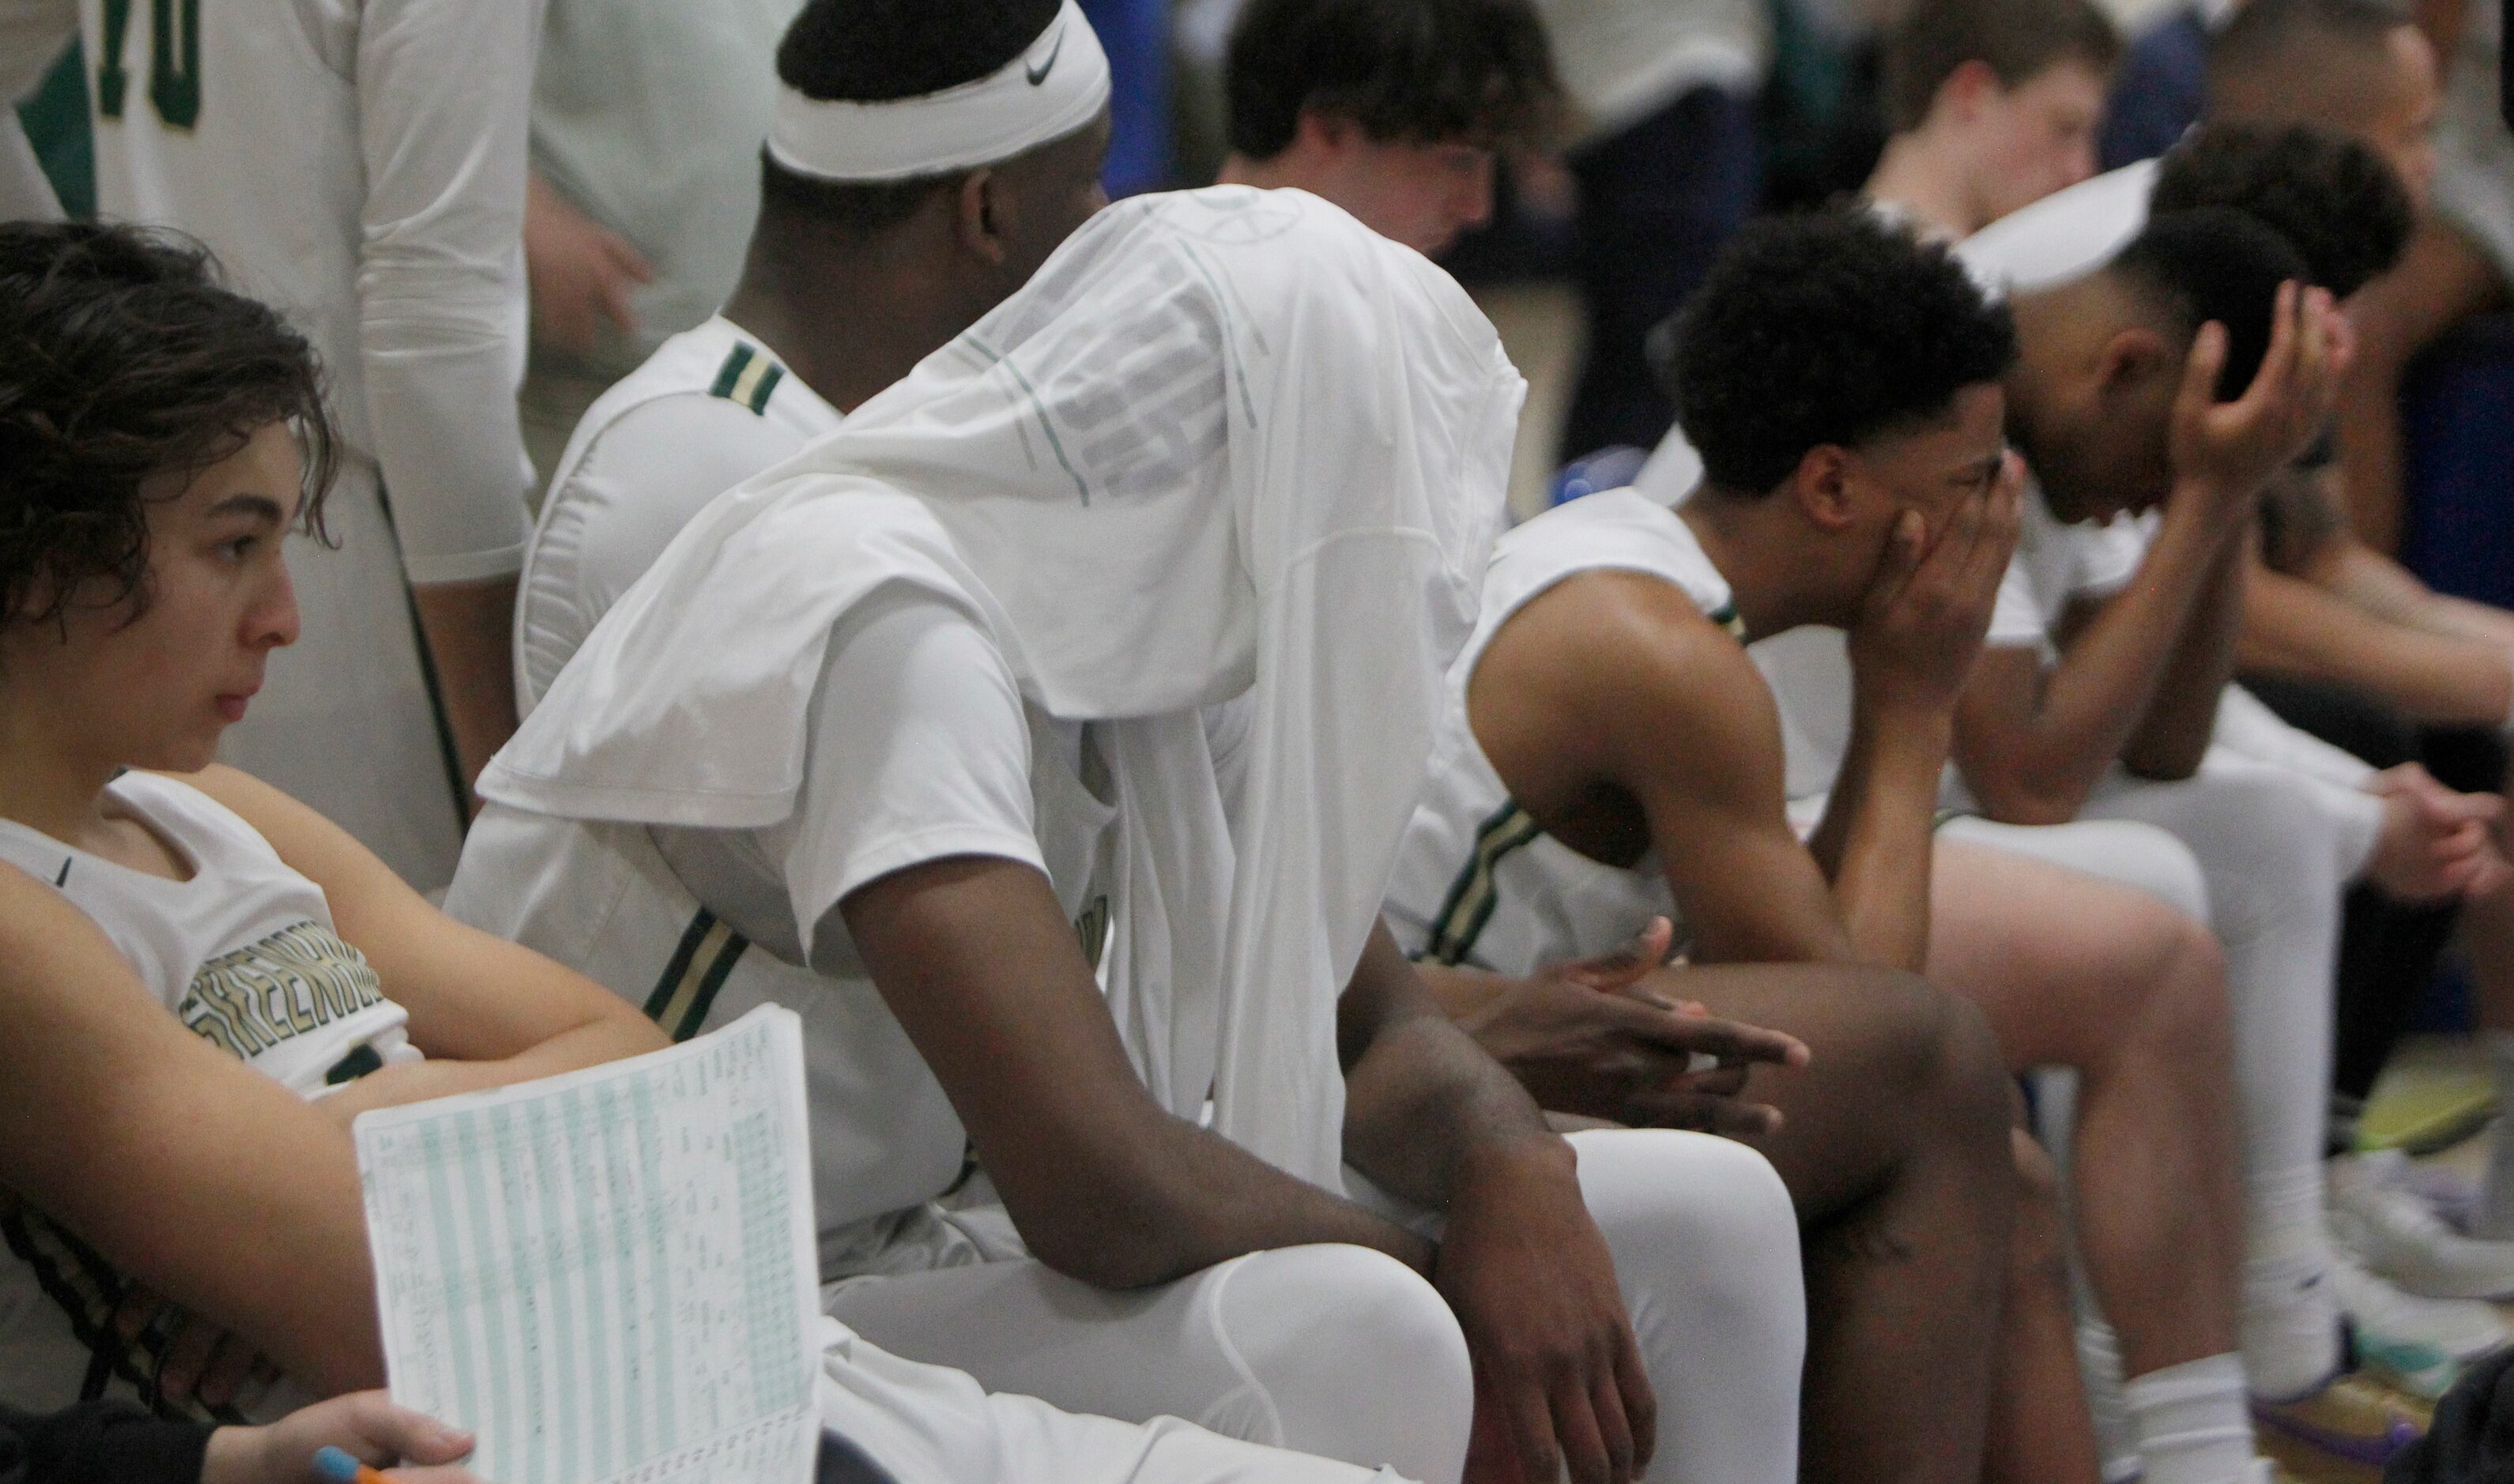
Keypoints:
(1825, 487)
(1969, 91)
(982, 217)
(2135, 358)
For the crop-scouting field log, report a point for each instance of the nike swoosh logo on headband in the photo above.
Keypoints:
(1038, 74)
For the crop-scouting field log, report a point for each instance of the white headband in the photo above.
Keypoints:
(1056, 86)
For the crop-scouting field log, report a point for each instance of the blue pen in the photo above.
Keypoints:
(338, 1467)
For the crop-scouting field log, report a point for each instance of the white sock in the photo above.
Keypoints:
(2290, 1321)
(2100, 1364)
(2193, 1423)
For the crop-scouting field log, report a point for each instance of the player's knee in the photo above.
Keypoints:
(1332, 1334)
(1948, 1066)
(2189, 1014)
(1693, 1221)
(1670, 1200)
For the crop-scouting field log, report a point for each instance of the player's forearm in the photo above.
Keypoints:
(1873, 843)
(2295, 630)
(612, 1039)
(469, 627)
(1422, 1101)
(1188, 1200)
(2040, 760)
(2174, 734)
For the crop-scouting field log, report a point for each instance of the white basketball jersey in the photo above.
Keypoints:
(245, 955)
(1477, 883)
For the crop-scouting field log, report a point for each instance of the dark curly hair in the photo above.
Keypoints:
(121, 361)
(1824, 328)
(2335, 201)
(2212, 262)
(1422, 72)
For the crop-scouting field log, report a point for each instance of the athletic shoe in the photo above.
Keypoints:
(2353, 1419)
(2419, 1344)
(2401, 1237)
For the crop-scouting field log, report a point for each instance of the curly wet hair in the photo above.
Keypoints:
(2336, 202)
(123, 362)
(1830, 326)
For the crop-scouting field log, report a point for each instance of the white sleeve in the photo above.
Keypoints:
(2104, 558)
(444, 96)
(620, 494)
(919, 750)
(2016, 615)
(32, 34)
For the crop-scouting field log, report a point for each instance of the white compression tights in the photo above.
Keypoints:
(1345, 1353)
(2273, 896)
(927, 1425)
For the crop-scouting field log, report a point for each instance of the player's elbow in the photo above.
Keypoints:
(1112, 1207)
(2024, 795)
(1111, 1236)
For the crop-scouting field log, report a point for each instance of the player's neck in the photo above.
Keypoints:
(49, 787)
(849, 320)
(1763, 557)
(1921, 177)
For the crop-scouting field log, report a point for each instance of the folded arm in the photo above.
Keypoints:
(230, 1196)
(487, 1012)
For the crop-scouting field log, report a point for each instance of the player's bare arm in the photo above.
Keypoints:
(988, 979)
(230, 1196)
(1431, 1117)
(1623, 719)
(2298, 630)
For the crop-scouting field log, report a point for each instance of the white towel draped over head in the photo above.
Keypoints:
(1227, 443)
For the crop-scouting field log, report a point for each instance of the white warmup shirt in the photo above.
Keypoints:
(1477, 881)
(245, 955)
(709, 409)
(359, 164)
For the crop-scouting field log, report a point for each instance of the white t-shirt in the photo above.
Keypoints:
(245, 954)
(710, 408)
(359, 164)
(1477, 882)
(921, 748)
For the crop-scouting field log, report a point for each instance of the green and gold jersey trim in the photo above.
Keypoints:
(748, 377)
(1728, 619)
(702, 963)
(1477, 893)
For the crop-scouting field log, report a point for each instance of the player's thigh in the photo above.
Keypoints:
(1895, 1060)
(2059, 961)
(1279, 1347)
